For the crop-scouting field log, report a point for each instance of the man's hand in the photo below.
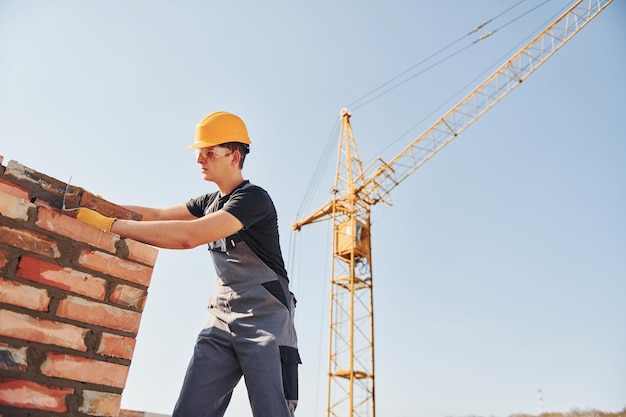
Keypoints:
(94, 218)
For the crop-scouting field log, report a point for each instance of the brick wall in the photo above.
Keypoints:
(71, 299)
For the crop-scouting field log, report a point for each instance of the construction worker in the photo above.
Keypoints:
(251, 331)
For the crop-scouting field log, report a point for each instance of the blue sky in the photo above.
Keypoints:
(498, 270)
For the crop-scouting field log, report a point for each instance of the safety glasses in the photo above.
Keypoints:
(211, 153)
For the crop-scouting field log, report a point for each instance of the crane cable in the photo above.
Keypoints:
(361, 101)
(480, 76)
(320, 168)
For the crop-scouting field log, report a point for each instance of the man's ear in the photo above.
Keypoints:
(236, 157)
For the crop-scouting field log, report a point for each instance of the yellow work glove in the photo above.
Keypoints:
(94, 218)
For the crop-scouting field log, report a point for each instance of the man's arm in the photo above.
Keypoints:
(181, 233)
(177, 212)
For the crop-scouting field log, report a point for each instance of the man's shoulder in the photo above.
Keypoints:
(198, 205)
(250, 197)
(250, 188)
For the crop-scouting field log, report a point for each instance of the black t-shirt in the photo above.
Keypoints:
(253, 207)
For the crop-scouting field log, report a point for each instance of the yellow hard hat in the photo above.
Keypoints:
(217, 128)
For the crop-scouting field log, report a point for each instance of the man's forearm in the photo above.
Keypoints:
(177, 212)
(163, 234)
(147, 213)
(179, 234)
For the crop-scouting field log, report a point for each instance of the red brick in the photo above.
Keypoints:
(61, 277)
(21, 295)
(25, 327)
(29, 241)
(131, 413)
(141, 252)
(111, 265)
(12, 358)
(14, 207)
(38, 180)
(95, 202)
(84, 370)
(75, 230)
(128, 296)
(14, 190)
(27, 394)
(96, 403)
(4, 258)
(42, 203)
(116, 345)
(104, 315)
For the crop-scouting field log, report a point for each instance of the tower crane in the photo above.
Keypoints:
(356, 190)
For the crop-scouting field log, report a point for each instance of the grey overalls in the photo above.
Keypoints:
(251, 333)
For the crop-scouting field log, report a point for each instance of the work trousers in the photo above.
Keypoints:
(251, 334)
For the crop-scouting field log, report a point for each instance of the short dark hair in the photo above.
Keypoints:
(243, 149)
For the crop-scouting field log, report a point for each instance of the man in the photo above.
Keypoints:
(250, 331)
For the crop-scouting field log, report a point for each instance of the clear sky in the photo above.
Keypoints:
(500, 268)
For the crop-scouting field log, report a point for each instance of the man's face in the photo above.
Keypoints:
(210, 159)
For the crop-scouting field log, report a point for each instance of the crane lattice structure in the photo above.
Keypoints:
(351, 350)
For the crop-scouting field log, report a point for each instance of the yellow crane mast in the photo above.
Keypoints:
(351, 341)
